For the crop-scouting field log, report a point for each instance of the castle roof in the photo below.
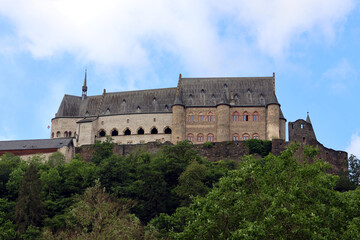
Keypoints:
(35, 144)
(197, 92)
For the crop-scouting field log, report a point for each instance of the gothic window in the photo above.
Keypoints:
(235, 116)
(191, 117)
(58, 134)
(256, 136)
(154, 130)
(200, 137)
(190, 137)
(255, 116)
(127, 132)
(246, 116)
(167, 130)
(140, 131)
(201, 117)
(245, 136)
(210, 137)
(102, 133)
(235, 137)
(65, 134)
(210, 117)
(114, 132)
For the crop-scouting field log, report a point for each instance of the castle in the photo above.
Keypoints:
(198, 109)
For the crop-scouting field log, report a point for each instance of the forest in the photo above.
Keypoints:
(177, 194)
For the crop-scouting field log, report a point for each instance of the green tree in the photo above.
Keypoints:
(354, 169)
(275, 198)
(102, 150)
(8, 162)
(56, 159)
(29, 208)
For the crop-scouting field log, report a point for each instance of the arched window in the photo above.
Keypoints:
(210, 117)
(102, 133)
(235, 116)
(167, 130)
(246, 116)
(200, 137)
(256, 136)
(114, 132)
(191, 117)
(190, 137)
(140, 131)
(210, 137)
(245, 136)
(127, 131)
(235, 137)
(255, 116)
(69, 133)
(201, 117)
(52, 135)
(58, 134)
(154, 130)
(65, 134)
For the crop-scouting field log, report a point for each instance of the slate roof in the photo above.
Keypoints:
(242, 91)
(35, 144)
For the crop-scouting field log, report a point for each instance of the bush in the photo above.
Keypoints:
(261, 147)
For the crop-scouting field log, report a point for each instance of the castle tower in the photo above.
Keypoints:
(223, 118)
(282, 126)
(178, 117)
(273, 117)
(84, 87)
(302, 131)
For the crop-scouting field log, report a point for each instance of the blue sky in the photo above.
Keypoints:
(312, 46)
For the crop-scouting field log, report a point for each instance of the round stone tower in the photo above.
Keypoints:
(273, 121)
(178, 123)
(223, 122)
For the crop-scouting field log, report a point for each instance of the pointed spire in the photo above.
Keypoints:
(84, 87)
(308, 118)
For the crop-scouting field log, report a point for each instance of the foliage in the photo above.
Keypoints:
(8, 162)
(274, 198)
(29, 208)
(56, 159)
(98, 216)
(103, 150)
(262, 147)
(354, 169)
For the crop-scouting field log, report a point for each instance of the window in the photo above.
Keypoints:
(142, 142)
(69, 133)
(256, 136)
(200, 137)
(140, 131)
(201, 117)
(210, 137)
(167, 130)
(191, 117)
(210, 117)
(102, 133)
(65, 134)
(190, 137)
(235, 116)
(57, 134)
(52, 135)
(127, 120)
(127, 132)
(255, 116)
(236, 137)
(154, 120)
(154, 131)
(114, 132)
(245, 136)
(246, 116)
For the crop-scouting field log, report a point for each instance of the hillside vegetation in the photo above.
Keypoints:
(176, 194)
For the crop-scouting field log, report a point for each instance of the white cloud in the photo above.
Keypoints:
(340, 77)
(203, 35)
(354, 147)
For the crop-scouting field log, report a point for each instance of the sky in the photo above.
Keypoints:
(312, 46)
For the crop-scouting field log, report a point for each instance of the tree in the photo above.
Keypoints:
(55, 159)
(275, 198)
(8, 162)
(96, 215)
(29, 208)
(354, 169)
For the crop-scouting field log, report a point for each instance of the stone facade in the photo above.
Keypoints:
(198, 110)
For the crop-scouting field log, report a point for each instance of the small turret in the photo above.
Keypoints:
(308, 118)
(84, 87)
